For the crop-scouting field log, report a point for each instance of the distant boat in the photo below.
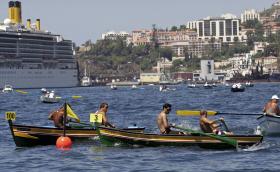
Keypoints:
(114, 87)
(192, 86)
(207, 86)
(249, 84)
(237, 88)
(85, 81)
(134, 86)
(7, 89)
(49, 97)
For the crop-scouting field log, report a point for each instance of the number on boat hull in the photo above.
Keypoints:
(10, 115)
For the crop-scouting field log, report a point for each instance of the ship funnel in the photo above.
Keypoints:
(38, 24)
(11, 11)
(28, 25)
(17, 12)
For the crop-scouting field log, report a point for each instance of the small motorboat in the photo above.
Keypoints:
(49, 97)
(192, 86)
(133, 87)
(110, 136)
(207, 86)
(237, 88)
(249, 84)
(269, 124)
(7, 89)
(113, 87)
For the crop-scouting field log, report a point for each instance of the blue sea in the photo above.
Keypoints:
(141, 106)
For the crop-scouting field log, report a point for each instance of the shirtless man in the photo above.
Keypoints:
(103, 108)
(272, 107)
(162, 120)
(209, 126)
(57, 117)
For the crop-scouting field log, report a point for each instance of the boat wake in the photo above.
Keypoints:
(257, 147)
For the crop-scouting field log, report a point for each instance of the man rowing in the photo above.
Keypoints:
(58, 116)
(211, 126)
(162, 121)
(271, 106)
(103, 109)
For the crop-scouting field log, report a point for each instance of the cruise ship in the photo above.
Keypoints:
(34, 58)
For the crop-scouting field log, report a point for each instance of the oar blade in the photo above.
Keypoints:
(193, 113)
(76, 97)
(22, 92)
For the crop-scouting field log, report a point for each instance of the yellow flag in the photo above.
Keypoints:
(71, 114)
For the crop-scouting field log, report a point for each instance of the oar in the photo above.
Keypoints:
(211, 113)
(76, 97)
(224, 139)
(22, 92)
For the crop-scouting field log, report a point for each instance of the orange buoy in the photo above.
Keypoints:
(63, 142)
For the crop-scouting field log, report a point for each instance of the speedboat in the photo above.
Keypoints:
(7, 89)
(114, 87)
(207, 86)
(249, 84)
(269, 124)
(191, 86)
(237, 88)
(133, 87)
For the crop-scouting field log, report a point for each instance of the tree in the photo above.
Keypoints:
(166, 52)
(174, 28)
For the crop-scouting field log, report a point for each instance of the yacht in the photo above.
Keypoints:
(7, 89)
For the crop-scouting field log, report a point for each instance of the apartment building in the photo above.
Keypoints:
(251, 14)
(114, 35)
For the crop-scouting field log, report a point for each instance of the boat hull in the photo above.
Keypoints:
(26, 136)
(238, 89)
(110, 136)
(270, 124)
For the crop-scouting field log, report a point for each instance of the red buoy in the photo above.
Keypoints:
(63, 142)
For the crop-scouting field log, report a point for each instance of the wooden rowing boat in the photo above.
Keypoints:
(270, 124)
(27, 135)
(110, 136)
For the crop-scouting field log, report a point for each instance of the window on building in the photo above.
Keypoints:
(206, 28)
(221, 27)
(228, 27)
(200, 28)
(213, 27)
(234, 27)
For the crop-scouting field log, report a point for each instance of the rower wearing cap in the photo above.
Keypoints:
(271, 106)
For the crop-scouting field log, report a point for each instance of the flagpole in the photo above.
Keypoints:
(64, 119)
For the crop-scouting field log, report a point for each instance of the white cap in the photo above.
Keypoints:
(275, 97)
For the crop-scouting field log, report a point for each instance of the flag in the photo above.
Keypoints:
(71, 114)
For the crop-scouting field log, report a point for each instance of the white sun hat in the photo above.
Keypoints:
(275, 97)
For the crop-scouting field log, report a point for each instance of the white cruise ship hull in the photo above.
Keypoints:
(38, 78)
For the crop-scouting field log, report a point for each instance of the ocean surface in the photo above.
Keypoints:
(141, 106)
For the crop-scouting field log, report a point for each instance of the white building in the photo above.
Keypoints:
(207, 70)
(250, 15)
(277, 3)
(224, 28)
(114, 35)
(191, 25)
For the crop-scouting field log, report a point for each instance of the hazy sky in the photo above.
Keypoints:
(82, 20)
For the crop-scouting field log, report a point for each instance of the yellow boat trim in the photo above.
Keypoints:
(25, 135)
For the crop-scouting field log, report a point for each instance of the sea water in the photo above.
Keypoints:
(140, 106)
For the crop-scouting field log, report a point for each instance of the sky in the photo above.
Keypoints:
(82, 20)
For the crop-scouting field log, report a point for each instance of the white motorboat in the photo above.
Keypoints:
(114, 87)
(249, 84)
(237, 88)
(206, 85)
(49, 97)
(7, 89)
(133, 87)
(269, 124)
(191, 86)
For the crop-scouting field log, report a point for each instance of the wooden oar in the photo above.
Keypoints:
(211, 113)
(224, 139)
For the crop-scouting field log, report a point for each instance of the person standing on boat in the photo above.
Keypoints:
(103, 109)
(271, 106)
(162, 120)
(209, 126)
